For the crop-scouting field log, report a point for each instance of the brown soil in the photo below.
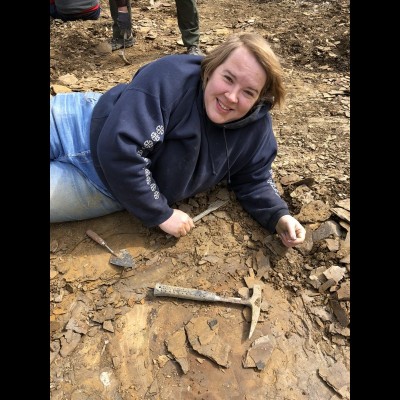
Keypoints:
(111, 338)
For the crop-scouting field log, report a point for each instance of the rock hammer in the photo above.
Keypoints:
(254, 302)
(122, 54)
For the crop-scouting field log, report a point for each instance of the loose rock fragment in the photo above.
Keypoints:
(176, 346)
(206, 341)
(259, 353)
(338, 377)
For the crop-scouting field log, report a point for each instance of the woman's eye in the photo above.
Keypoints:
(228, 78)
(249, 93)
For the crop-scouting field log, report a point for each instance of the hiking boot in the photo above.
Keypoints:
(118, 43)
(194, 50)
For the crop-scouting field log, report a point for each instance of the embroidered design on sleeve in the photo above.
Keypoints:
(148, 176)
(271, 182)
(147, 146)
(156, 136)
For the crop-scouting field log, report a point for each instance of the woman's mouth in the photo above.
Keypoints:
(221, 106)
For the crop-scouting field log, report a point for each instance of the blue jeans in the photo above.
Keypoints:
(76, 191)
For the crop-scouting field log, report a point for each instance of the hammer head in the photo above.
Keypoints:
(255, 303)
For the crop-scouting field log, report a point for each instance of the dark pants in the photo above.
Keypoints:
(73, 17)
(188, 21)
(114, 14)
(187, 15)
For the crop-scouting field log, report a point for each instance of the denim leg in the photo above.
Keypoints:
(76, 191)
(73, 197)
(188, 21)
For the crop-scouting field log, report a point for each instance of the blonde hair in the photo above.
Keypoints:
(273, 91)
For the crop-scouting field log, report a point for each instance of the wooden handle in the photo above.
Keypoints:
(95, 237)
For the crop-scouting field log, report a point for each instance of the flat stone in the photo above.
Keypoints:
(303, 194)
(343, 292)
(259, 353)
(346, 259)
(343, 204)
(337, 376)
(335, 272)
(345, 225)
(341, 213)
(67, 79)
(176, 345)
(314, 211)
(335, 328)
(289, 179)
(326, 229)
(305, 247)
(332, 244)
(326, 285)
(276, 246)
(108, 326)
(77, 325)
(205, 340)
(69, 342)
(60, 89)
(262, 260)
(339, 312)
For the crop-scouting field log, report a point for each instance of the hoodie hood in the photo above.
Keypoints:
(258, 112)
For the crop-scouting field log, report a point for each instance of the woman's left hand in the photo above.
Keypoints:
(290, 231)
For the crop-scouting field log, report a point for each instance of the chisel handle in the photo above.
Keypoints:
(99, 240)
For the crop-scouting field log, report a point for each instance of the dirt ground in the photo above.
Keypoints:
(110, 337)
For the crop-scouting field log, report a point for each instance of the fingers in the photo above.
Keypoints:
(179, 224)
(286, 239)
(290, 242)
(300, 233)
(290, 231)
(293, 234)
(186, 227)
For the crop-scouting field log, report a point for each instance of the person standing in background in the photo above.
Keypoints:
(188, 23)
(121, 13)
(71, 10)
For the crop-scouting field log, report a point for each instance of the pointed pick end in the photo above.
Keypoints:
(255, 308)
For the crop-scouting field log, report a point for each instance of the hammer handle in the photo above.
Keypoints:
(194, 294)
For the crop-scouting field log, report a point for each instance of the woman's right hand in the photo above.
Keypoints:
(178, 224)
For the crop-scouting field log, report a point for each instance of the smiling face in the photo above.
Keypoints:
(234, 87)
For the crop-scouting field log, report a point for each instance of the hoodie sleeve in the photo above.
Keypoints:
(254, 185)
(132, 124)
(130, 133)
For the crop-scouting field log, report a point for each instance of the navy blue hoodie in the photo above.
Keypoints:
(153, 145)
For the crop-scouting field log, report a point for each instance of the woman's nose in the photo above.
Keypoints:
(232, 96)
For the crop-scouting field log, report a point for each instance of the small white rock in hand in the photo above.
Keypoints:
(290, 231)
(178, 224)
